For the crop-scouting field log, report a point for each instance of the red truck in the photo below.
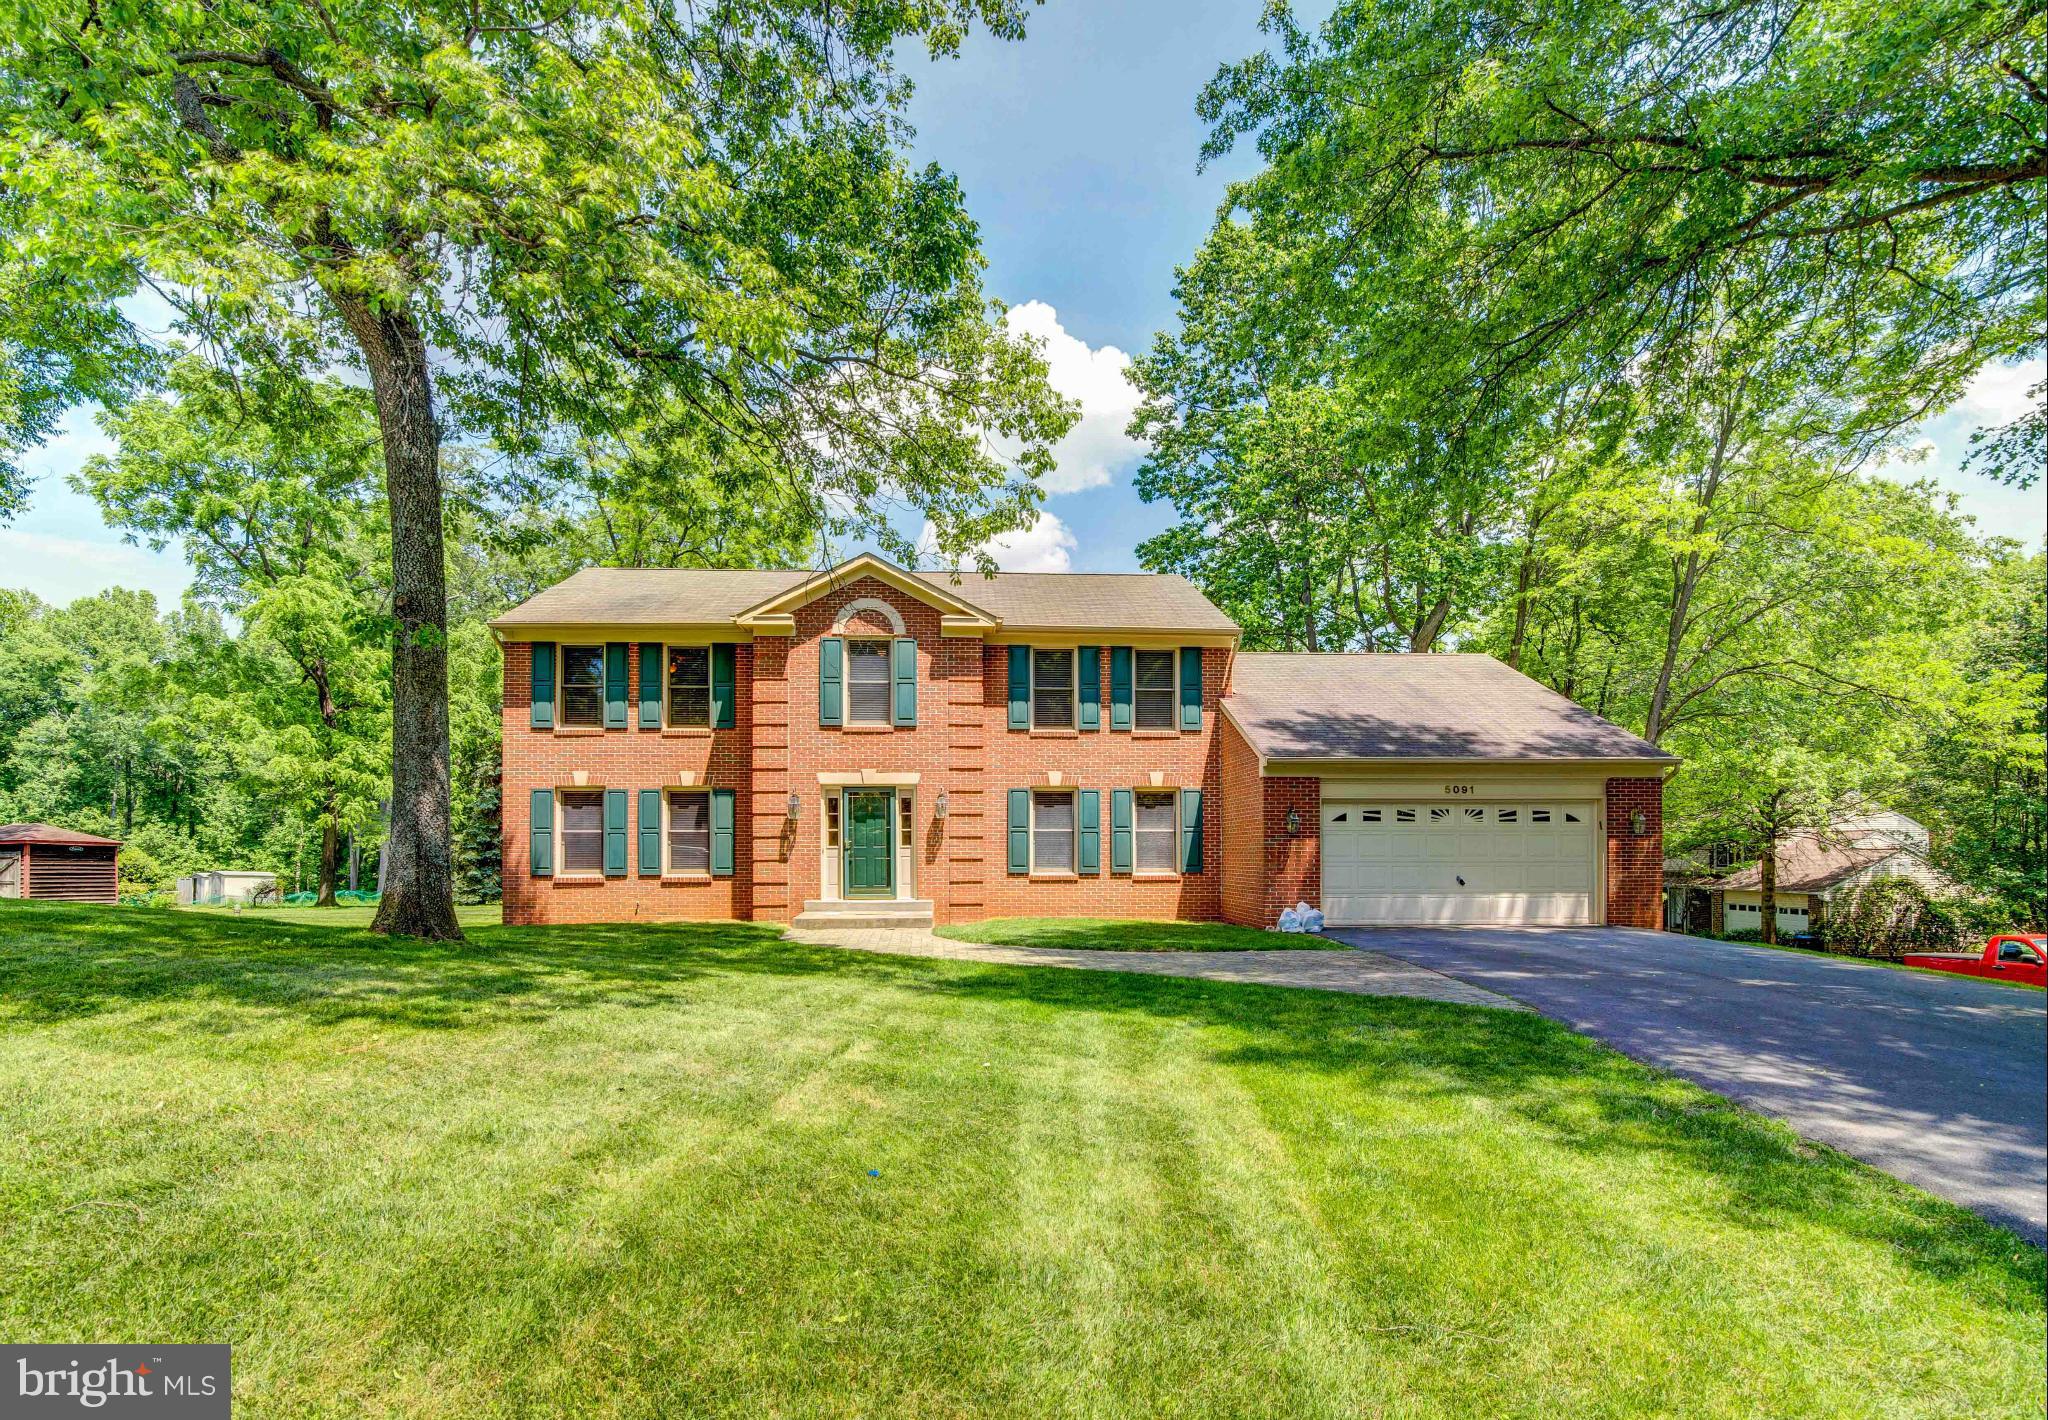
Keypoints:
(2012, 957)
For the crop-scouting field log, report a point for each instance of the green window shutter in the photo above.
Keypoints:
(544, 831)
(831, 681)
(1191, 830)
(721, 833)
(615, 685)
(723, 654)
(1088, 840)
(650, 685)
(543, 717)
(1119, 830)
(650, 833)
(905, 665)
(1020, 687)
(1088, 671)
(1191, 687)
(615, 833)
(1119, 687)
(1020, 830)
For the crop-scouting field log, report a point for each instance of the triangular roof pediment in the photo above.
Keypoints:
(865, 564)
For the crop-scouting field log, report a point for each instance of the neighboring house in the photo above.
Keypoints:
(226, 885)
(40, 860)
(1816, 867)
(871, 742)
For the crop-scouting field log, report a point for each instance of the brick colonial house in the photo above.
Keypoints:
(868, 742)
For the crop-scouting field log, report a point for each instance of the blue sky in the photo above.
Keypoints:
(1077, 151)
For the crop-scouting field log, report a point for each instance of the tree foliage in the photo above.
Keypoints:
(693, 226)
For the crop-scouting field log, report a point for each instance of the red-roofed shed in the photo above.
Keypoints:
(52, 864)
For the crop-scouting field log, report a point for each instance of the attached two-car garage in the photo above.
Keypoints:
(1524, 862)
(1441, 789)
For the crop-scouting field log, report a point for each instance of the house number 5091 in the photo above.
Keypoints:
(1457, 788)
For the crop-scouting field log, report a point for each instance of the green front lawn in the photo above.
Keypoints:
(670, 1171)
(1105, 934)
(350, 915)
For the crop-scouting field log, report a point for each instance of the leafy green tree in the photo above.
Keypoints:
(271, 484)
(1505, 201)
(1976, 774)
(694, 223)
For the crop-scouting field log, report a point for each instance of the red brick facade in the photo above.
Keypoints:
(1266, 866)
(961, 744)
(1253, 864)
(1635, 862)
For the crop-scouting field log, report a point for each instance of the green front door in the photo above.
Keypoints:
(870, 862)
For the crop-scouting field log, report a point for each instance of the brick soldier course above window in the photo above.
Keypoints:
(762, 743)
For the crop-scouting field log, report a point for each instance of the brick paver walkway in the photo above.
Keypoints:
(1359, 971)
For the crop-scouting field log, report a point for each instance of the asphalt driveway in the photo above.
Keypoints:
(1941, 1081)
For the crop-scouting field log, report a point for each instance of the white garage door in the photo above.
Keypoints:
(1516, 863)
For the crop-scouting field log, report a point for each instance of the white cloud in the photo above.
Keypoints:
(1096, 448)
(1998, 393)
(62, 569)
(1046, 546)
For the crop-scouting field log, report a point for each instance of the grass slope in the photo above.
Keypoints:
(1105, 934)
(626, 1171)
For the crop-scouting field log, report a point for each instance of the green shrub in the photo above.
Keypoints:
(1889, 917)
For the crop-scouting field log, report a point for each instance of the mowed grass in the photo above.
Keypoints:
(700, 1171)
(347, 915)
(1104, 934)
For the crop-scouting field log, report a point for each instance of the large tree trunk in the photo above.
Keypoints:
(1769, 892)
(330, 856)
(419, 886)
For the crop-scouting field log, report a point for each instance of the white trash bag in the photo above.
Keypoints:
(1290, 921)
(1311, 918)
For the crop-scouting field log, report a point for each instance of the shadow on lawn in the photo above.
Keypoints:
(66, 964)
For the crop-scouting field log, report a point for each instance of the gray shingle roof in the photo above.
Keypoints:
(1393, 706)
(1087, 601)
(625, 596)
(1070, 601)
(1806, 862)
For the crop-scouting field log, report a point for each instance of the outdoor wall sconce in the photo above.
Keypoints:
(1639, 823)
(795, 802)
(939, 807)
(1294, 823)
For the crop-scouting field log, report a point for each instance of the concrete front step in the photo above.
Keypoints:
(910, 912)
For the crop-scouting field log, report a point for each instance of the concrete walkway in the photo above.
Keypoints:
(1362, 973)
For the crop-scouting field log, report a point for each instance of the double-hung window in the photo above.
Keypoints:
(689, 831)
(1156, 708)
(867, 682)
(582, 816)
(1052, 831)
(583, 686)
(689, 686)
(1052, 690)
(1156, 832)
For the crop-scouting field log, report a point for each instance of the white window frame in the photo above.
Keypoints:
(668, 866)
(667, 709)
(1073, 797)
(1073, 688)
(562, 868)
(888, 680)
(562, 650)
(1172, 690)
(1173, 839)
